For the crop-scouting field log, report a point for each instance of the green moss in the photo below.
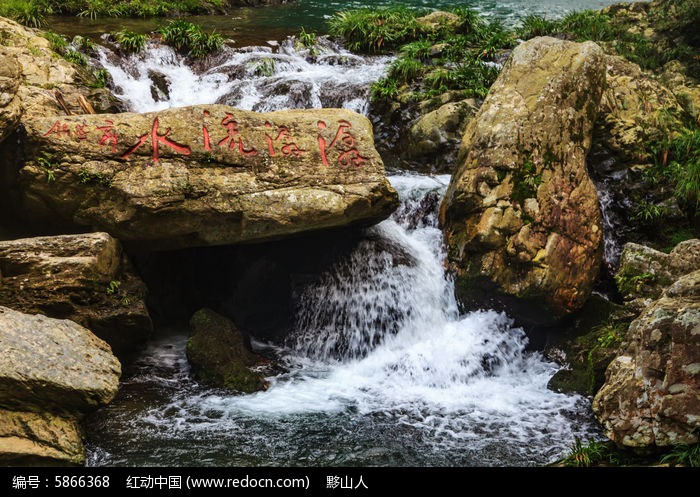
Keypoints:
(94, 179)
(526, 180)
(628, 282)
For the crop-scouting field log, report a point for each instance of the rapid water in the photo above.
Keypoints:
(382, 369)
(260, 78)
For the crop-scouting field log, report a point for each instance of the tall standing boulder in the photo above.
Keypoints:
(521, 216)
(204, 175)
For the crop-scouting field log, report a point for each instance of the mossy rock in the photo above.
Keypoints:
(590, 342)
(220, 354)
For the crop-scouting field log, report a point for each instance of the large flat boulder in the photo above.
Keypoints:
(204, 175)
(85, 278)
(521, 215)
(53, 365)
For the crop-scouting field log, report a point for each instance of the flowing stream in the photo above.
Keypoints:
(381, 367)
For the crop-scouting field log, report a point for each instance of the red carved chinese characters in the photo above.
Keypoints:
(109, 135)
(337, 146)
(233, 136)
(80, 131)
(205, 133)
(156, 140)
(344, 144)
(284, 136)
(58, 129)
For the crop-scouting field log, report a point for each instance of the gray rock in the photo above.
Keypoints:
(54, 365)
(651, 397)
(85, 278)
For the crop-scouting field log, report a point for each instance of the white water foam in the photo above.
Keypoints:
(461, 382)
(262, 79)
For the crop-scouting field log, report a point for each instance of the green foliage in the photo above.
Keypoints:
(471, 22)
(404, 70)
(676, 159)
(683, 455)
(88, 178)
(48, 168)
(384, 89)
(115, 290)
(534, 25)
(190, 39)
(589, 25)
(99, 8)
(83, 43)
(417, 50)
(628, 282)
(113, 287)
(130, 41)
(307, 39)
(101, 78)
(76, 58)
(584, 455)
(375, 30)
(648, 213)
(31, 13)
(526, 180)
(58, 42)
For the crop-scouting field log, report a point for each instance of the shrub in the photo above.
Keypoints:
(374, 30)
(129, 41)
(190, 39)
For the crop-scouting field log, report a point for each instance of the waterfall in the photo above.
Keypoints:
(380, 362)
(381, 368)
(284, 75)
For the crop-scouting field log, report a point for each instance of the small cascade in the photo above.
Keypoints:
(281, 76)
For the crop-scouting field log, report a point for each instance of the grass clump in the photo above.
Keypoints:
(375, 30)
(190, 39)
(129, 41)
(31, 13)
(683, 455)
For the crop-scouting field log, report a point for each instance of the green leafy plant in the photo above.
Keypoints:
(58, 42)
(76, 58)
(31, 13)
(89, 178)
(130, 41)
(113, 287)
(683, 455)
(307, 39)
(264, 67)
(534, 25)
(526, 180)
(190, 39)
(584, 455)
(629, 282)
(374, 30)
(384, 89)
(48, 168)
(101, 78)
